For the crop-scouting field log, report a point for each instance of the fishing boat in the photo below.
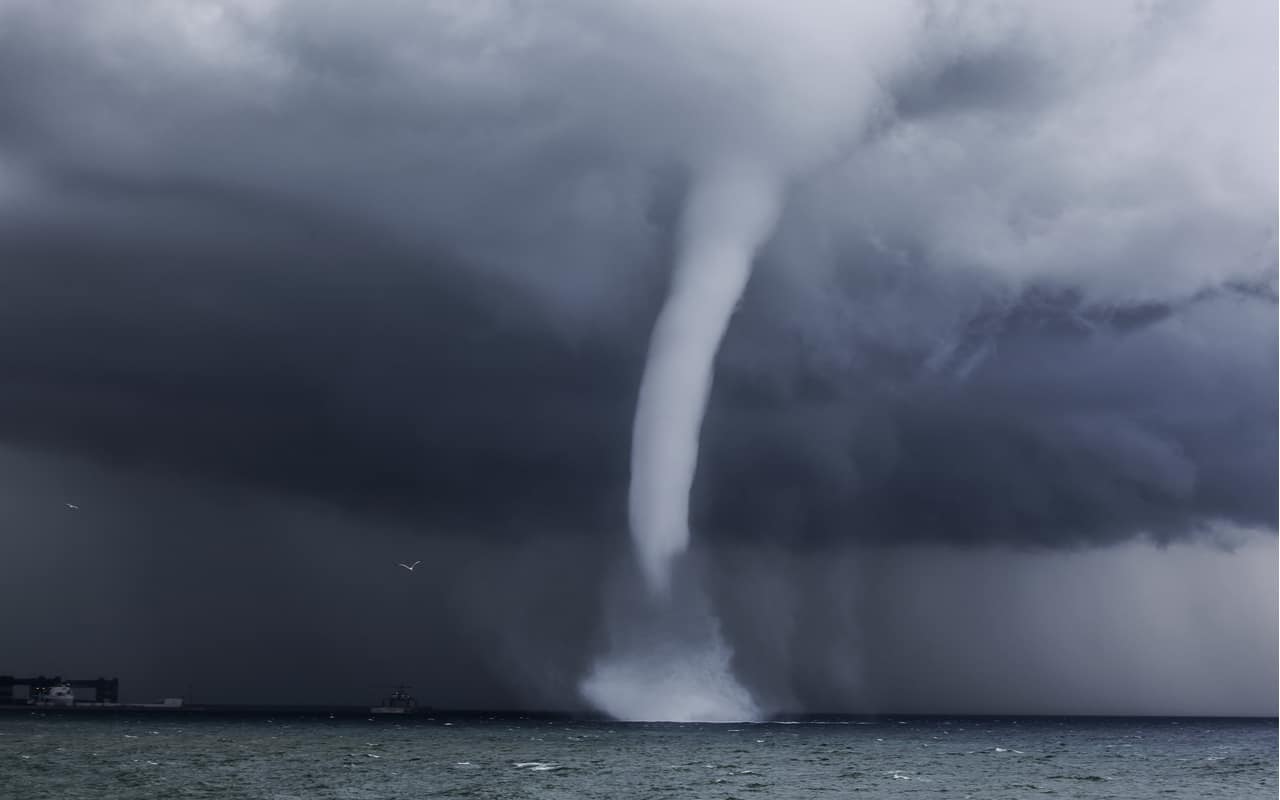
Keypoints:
(399, 702)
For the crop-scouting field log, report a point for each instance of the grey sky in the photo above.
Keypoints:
(387, 275)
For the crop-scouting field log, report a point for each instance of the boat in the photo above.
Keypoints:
(400, 702)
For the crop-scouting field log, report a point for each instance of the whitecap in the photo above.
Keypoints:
(536, 766)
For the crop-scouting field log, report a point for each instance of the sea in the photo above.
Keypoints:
(67, 756)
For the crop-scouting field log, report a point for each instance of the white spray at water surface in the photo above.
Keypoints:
(672, 681)
(667, 659)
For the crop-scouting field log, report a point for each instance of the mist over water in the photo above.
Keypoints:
(667, 658)
(654, 676)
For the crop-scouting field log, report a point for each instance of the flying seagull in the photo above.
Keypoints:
(411, 568)
(73, 506)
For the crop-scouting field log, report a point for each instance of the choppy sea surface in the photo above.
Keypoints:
(67, 756)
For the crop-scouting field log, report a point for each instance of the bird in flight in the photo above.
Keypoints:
(73, 506)
(411, 568)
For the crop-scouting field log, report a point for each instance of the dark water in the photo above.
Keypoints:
(69, 756)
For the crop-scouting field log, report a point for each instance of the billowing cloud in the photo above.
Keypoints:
(403, 260)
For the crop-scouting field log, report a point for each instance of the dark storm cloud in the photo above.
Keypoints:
(244, 262)
(1045, 423)
(288, 284)
(406, 395)
(392, 390)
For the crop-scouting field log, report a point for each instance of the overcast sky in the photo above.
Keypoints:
(291, 291)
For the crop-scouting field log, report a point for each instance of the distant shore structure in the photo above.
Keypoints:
(43, 689)
(56, 692)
